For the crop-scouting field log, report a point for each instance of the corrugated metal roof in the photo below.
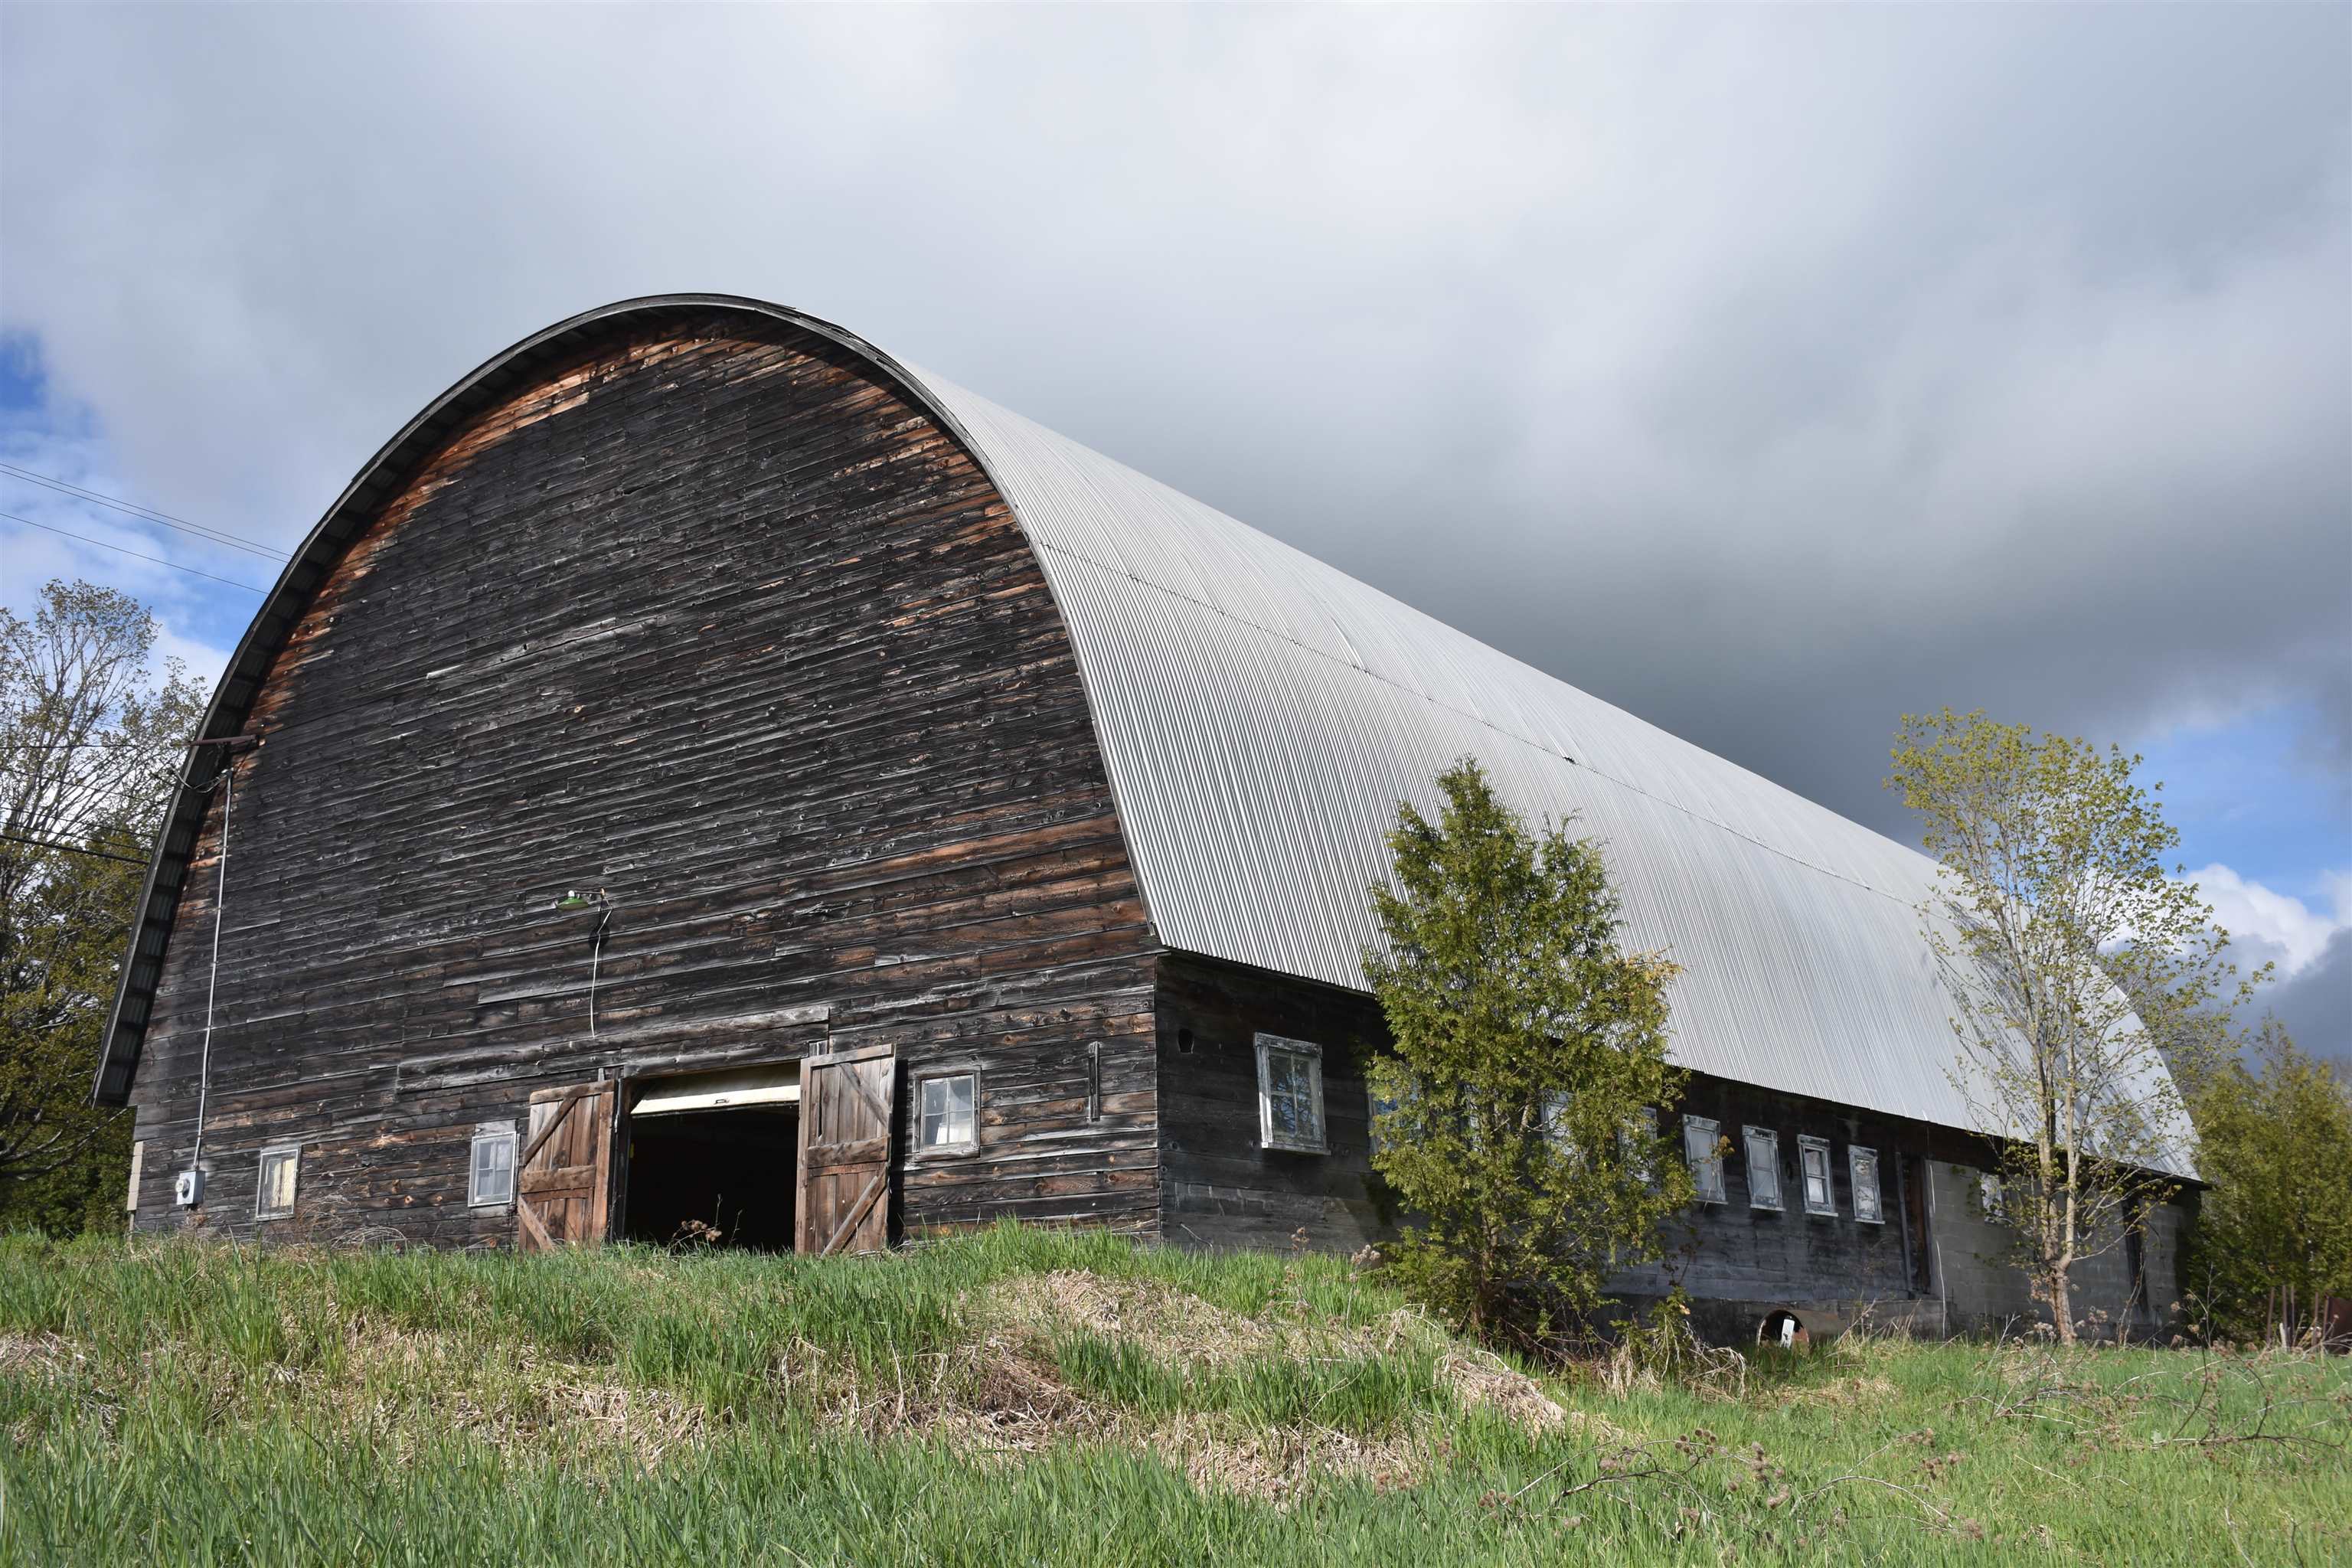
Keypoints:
(1262, 714)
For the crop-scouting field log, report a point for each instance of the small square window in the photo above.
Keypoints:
(1290, 1095)
(951, 1110)
(1763, 1167)
(273, 1196)
(1813, 1159)
(491, 1177)
(1863, 1164)
(1702, 1150)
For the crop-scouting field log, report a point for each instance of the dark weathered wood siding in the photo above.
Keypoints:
(718, 623)
(1220, 1188)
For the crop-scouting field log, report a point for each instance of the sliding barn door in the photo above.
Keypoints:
(565, 1178)
(845, 1178)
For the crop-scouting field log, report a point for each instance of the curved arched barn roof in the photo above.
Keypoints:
(1260, 716)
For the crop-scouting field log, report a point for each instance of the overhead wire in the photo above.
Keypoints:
(158, 560)
(147, 513)
(69, 849)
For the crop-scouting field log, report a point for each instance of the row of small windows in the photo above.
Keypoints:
(489, 1178)
(1290, 1118)
(950, 1124)
(1703, 1149)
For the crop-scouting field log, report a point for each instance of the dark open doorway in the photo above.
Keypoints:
(721, 1178)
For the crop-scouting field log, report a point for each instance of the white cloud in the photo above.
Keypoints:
(2275, 925)
(1770, 373)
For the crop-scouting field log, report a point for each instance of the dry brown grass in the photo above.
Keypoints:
(1002, 1395)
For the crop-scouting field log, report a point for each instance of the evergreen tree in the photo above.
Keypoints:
(2274, 1234)
(1516, 1118)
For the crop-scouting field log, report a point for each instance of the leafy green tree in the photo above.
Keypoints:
(1516, 1118)
(90, 741)
(2274, 1234)
(2070, 958)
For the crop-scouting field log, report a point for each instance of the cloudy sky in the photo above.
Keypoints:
(1769, 373)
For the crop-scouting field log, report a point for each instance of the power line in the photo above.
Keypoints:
(147, 514)
(111, 743)
(158, 560)
(69, 849)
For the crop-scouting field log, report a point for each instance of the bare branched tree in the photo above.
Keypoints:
(2070, 957)
(91, 741)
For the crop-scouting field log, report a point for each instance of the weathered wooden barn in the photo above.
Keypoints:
(705, 773)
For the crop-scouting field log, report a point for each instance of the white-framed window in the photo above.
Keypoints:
(1763, 1167)
(273, 1193)
(490, 1171)
(1702, 1150)
(1376, 1106)
(1989, 1193)
(1813, 1164)
(949, 1112)
(1290, 1095)
(1637, 1143)
(1862, 1165)
(1556, 1130)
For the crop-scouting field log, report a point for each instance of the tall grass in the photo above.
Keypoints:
(204, 1404)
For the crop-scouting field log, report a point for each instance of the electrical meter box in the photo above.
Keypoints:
(188, 1188)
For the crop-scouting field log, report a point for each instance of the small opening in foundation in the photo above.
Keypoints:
(1781, 1330)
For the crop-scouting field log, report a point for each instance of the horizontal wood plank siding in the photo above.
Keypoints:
(1220, 1188)
(721, 625)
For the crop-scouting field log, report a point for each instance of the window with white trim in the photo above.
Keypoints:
(1379, 1105)
(1862, 1164)
(1813, 1164)
(273, 1193)
(1763, 1167)
(1556, 1130)
(491, 1172)
(949, 1113)
(1989, 1193)
(1637, 1143)
(1290, 1095)
(1703, 1153)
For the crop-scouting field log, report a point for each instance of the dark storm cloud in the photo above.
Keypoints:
(1768, 373)
(2315, 1004)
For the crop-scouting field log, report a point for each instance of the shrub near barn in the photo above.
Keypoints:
(1518, 1114)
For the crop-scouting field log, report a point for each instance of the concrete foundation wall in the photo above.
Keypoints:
(1986, 1292)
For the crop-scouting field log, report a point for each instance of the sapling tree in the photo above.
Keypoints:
(2068, 955)
(1517, 1116)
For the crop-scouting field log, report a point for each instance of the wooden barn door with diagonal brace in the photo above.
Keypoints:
(564, 1178)
(844, 1199)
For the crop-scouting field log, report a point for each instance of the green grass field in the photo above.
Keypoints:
(1024, 1396)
